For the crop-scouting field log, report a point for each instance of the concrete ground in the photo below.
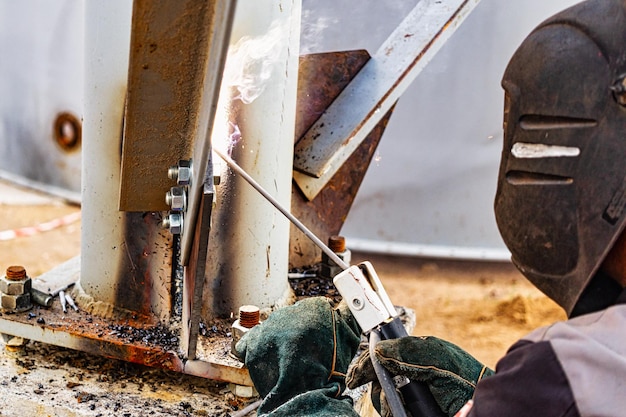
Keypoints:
(483, 307)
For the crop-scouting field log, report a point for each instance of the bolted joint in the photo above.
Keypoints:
(174, 222)
(176, 198)
(13, 287)
(249, 316)
(180, 172)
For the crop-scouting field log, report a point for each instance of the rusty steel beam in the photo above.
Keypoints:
(370, 95)
(321, 78)
(178, 48)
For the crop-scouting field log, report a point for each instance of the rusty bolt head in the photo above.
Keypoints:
(176, 198)
(15, 303)
(337, 243)
(249, 316)
(13, 287)
(16, 273)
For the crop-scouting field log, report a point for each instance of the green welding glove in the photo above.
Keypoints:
(298, 358)
(450, 372)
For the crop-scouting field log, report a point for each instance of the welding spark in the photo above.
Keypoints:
(234, 138)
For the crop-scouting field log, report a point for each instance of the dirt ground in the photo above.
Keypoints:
(482, 307)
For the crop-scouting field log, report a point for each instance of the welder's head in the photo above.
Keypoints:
(561, 198)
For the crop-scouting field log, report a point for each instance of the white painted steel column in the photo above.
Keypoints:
(107, 42)
(126, 259)
(249, 243)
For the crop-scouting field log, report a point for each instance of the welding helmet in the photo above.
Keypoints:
(561, 196)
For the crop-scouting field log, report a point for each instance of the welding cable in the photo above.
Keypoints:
(385, 379)
(42, 227)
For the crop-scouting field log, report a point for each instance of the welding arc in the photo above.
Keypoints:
(332, 255)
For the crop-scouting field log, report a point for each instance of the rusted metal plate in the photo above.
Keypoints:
(176, 61)
(321, 79)
(136, 340)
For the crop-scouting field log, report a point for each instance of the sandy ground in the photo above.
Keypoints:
(482, 307)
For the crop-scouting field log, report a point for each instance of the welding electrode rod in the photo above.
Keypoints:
(332, 255)
(63, 301)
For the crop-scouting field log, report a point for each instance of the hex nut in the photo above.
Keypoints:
(184, 175)
(15, 303)
(243, 391)
(176, 198)
(174, 222)
(238, 331)
(10, 287)
(180, 172)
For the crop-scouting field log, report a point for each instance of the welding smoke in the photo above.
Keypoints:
(312, 31)
(252, 60)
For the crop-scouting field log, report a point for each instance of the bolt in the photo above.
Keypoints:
(172, 172)
(180, 172)
(173, 222)
(249, 316)
(337, 243)
(16, 273)
(41, 298)
(176, 198)
(15, 282)
(329, 269)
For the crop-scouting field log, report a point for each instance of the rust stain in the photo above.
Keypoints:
(321, 79)
(129, 339)
(169, 51)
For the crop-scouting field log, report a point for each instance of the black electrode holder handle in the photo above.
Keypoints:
(417, 398)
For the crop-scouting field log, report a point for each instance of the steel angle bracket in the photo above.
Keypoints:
(374, 90)
(193, 281)
(178, 52)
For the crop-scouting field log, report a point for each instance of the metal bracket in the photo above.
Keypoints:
(374, 90)
(193, 281)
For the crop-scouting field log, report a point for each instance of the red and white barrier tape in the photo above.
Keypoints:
(42, 227)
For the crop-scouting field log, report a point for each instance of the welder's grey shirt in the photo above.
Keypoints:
(569, 369)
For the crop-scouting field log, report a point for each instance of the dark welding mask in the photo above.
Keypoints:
(561, 197)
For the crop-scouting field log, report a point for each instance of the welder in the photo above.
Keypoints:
(560, 208)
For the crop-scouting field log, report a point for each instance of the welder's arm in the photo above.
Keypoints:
(298, 359)
(450, 373)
